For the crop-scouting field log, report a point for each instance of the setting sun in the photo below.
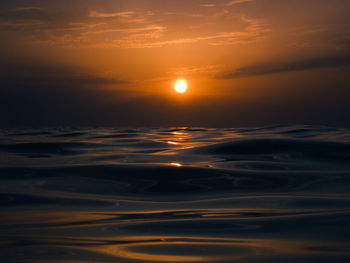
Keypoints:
(180, 86)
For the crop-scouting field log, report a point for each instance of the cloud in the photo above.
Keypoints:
(306, 64)
(24, 13)
(127, 29)
(29, 8)
(29, 20)
(108, 15)
(208, 5)
(254, 31)
(21, 25)
(196, 71)
(13, 73)
(236, 2)
(128, 37)
(219, 39)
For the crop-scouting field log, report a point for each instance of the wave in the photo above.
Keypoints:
(269, 194)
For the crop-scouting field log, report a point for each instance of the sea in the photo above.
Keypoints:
(278, 194)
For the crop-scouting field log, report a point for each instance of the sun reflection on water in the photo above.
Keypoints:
(173, 143)
(176, 164)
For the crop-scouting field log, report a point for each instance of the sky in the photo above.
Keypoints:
(248, 63)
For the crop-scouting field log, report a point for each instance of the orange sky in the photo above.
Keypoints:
(115, 62)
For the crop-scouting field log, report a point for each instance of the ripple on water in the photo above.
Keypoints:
(270, 194)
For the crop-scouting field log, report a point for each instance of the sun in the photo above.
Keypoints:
(180, 86)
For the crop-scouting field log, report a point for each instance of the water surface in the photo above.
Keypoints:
(273, 194)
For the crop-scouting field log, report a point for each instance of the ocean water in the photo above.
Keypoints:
(273, 194)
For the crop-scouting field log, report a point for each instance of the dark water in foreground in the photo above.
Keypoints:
(276, 194)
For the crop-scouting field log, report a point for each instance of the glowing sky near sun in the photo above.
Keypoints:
(92, 61)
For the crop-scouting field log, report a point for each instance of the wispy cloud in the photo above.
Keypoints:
(131, 29)
(300, 65)
(198, 71)
(21, 25)
(236, 2)
(208, 5)
(255, 30)
(150, 37)
(309, 30)
(23, 14)
(96, 14)
(28, 75)
(29, 8)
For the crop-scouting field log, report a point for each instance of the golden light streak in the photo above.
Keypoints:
(173, 143)
(176, 164)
